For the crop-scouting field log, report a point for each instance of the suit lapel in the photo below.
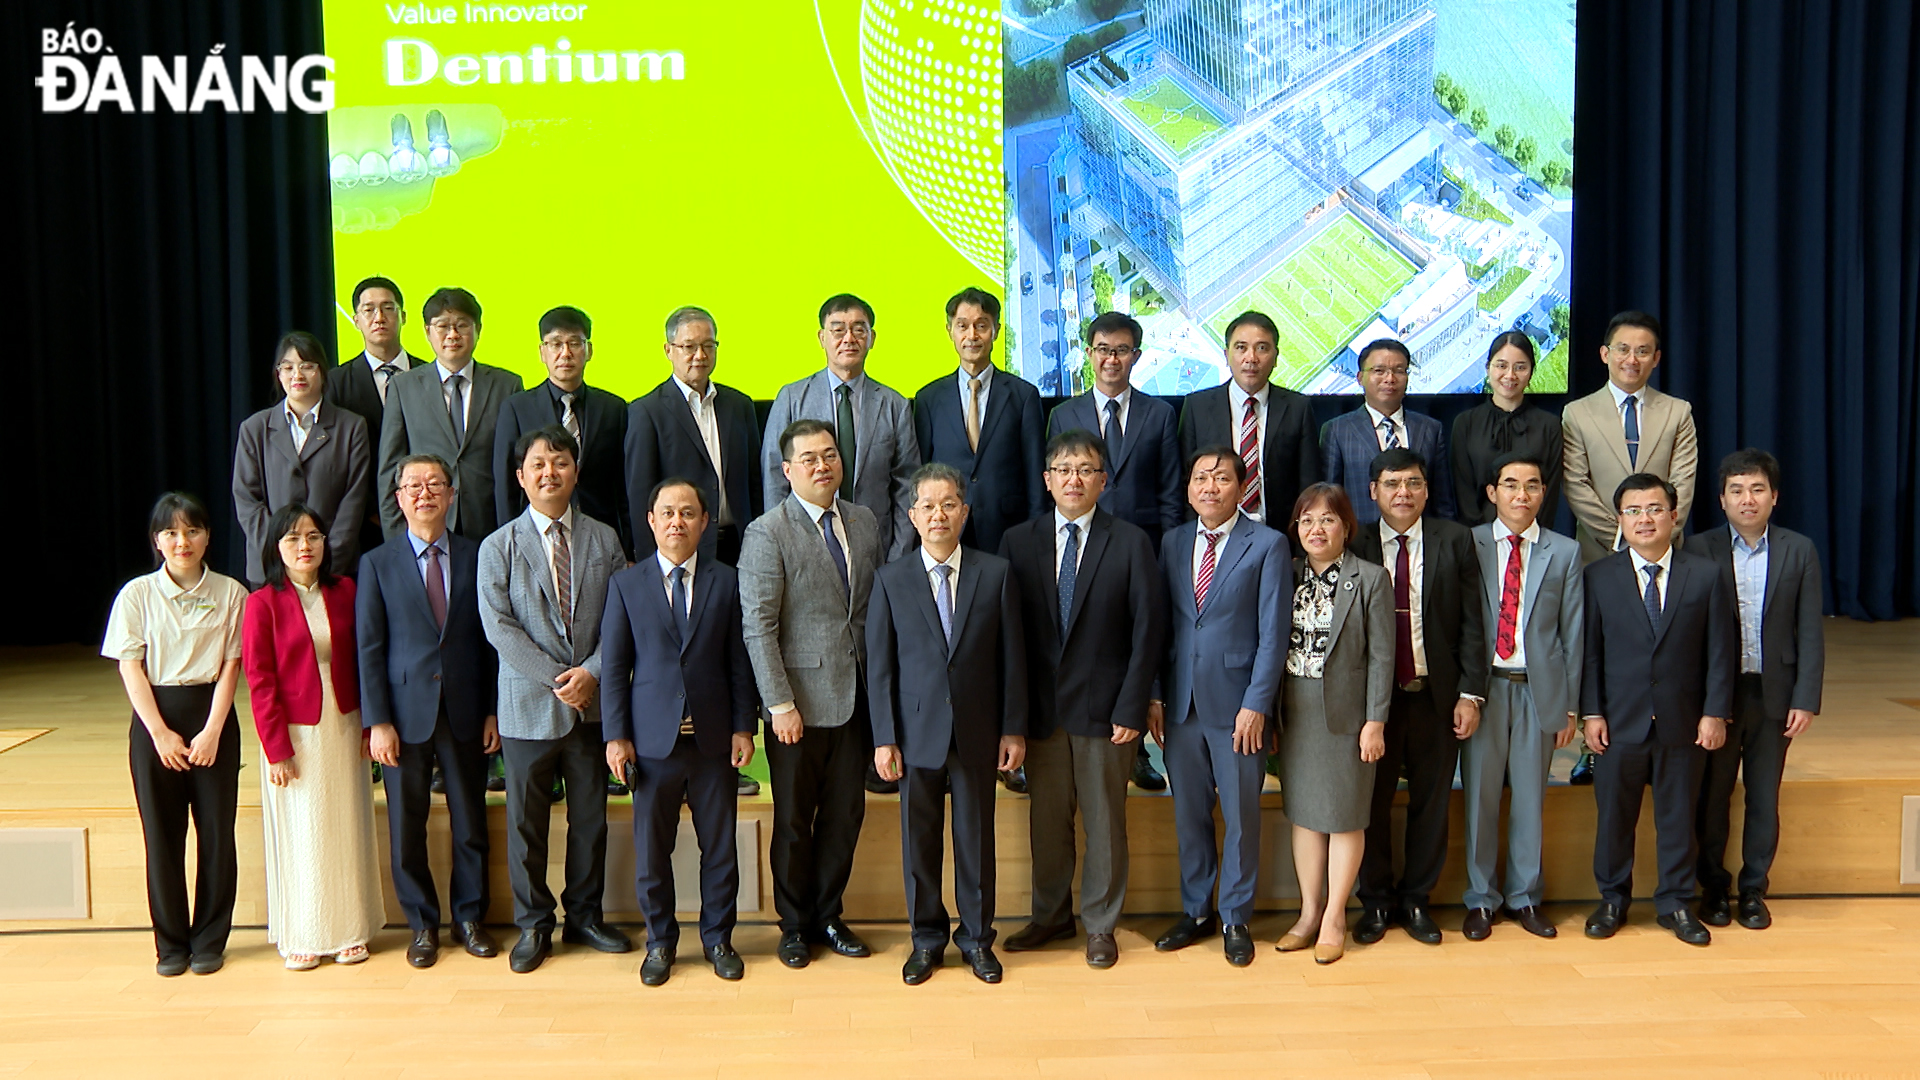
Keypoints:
(434, 398)
(1231, 551)
(1343, 593)
(1536, 573)
(1183, 598)
(999, 402)
(1776, 557)
(1676, 579)
(681, 413)
(321, 434)
(963, 598)
(1492, 572)
(532, 552)
(410, 565)
(918, 584)
(866, 407)
(1090, 552)
(480, 394)
(279, 437)
(1609, 415)
(702, 599)
(1132, 428)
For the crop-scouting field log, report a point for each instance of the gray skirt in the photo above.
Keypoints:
(1323, 783)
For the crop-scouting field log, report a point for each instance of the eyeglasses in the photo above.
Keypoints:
(945, 506)
(695, 348)
(452, 326)
(1069, 472)
(1531, 487)
(304, 367)
(1651, 513)
(1319, 522)
(431, 487)
(572, 344)
(857, 331)
(1621, 352)
(813, 461)
(1111, 352)
(1397, 371)
(1395, 483)
(370, 310)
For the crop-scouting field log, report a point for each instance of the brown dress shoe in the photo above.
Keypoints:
(1034, 936)
(1102, 951)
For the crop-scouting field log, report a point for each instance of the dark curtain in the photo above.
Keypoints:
(160, 256)
(1749, 170)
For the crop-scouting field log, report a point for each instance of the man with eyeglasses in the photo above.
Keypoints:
(450, 409)
(1141, 432)
(1269, 425)
(1349, 442)
(1531, 636)
(872, 425)
(359, 385)
(595, 418)
(1661, 656)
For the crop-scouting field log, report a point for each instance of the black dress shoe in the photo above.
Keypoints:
(438, 785)
(1606, 920)
(726, 963)
(794, 950)
(474, 938)
(533, 947)
(839, 937)
(596, 935)
(1478, 925)
(170, 966)
(1686, 927)
(1145, 776)
(657, 968)
(1014, 780)
(921, 965)
(496, 773)
(1372, 926)
(986, 966)
(1714, 910)
(425, 948)
(877, 786)
(1532, 921)
(207, 963)
(745, 787)
(1188, 930)
(1238, 943)
(556, 793)
(616, 787)
(1420, 925)
(1582, 774)
(1753, 911)
(1034, 936)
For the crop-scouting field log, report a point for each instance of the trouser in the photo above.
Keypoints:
(709, 788)
(819, 804)
(727, 544)
(1755, 750)
(1511, 745)
(923, 823)
(580, 758)
(207, 796)
(463, 765)
(1619, 777)
(1419, 740)
(1065, 772)
(1202, 766)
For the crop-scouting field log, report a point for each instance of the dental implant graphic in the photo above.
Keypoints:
(405, 164)
(343, 172)
(441, 159)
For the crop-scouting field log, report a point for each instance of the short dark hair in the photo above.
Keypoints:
(1077, 440)
(1516, 457)
(1252, 318)
(1115, 322)
(1398, 459)
(306, 347)
(377, 282)
(839, 302)
(565, 317)
(1220, 450)
(978, 297)
(272, 566)
(1638, 319)
(938, 471)
(172, 508)
(457, 300)
(799, 429)
(653, 497)
(1515, 338)
(435, 460)
(1645, 481)
(1386, 344)
(1747, 462)
(556, 438)
(1335, 498)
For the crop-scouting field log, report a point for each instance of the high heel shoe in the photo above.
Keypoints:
(1327, 954)
(1293, 943)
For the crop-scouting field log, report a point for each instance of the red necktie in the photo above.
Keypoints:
(1204, 578)
(1250, 454)
(1509, 603)
(436, 587)
(1403, 614)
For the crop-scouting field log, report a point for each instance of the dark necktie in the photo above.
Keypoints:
(1403, 671)
(1250, 456)
(457, 408)
(562, 573)
(569, 419)
(1652, 595)
(1632, 408)
(682, 618)
(843, 427)
(834, 550)
(436, 587)
(386, 372)
(1389, 434)
(1115, 437)
(1069, 573)
(1503, 641)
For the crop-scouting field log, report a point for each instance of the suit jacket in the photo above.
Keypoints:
(1098, 669)
(1356, 684)
(886, 450)
(806, 637)
(1004, 482)
(1451, 616)
(1793, 643)
(1596, 461)
(926, 695)
(1555, 631)
(1229, 655)
(333, 473)
(416, 422)
(283, 670)
(1656, 682)
(1291, 457)
(1349, 443)
(407, 664)
(663, 441)
(1144, 485)
(352, 386)
(602, 491)
(646, 663)
(521, 615)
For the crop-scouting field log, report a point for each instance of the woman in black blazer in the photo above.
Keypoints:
(1504, 423)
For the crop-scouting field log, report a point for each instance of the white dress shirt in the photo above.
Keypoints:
(300, 427)
(1665, 563)
(1620, 407)
(953, 579)
(1416, 582)
(1528, 541)
(701, 405)
(543, 525)
(466, 391)
(1060, 523)
(1399, 419)
(1125, 398)
(1200, 534)
(666, 578)
(400, 360)
(1236, 414)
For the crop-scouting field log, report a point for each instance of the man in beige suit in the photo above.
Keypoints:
(1624, 428)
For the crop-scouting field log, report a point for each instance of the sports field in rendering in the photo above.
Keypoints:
(1173, 116)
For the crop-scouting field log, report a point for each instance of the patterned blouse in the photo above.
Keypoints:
(1312, 622)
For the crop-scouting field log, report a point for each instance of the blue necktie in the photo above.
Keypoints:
(1069, 571)
(838, 554)
(1633, 430)
(681, 620)
(1652, 570)
(1116, 438)
(943, 600)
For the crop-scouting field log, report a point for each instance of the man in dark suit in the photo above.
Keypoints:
(693, 427)
(1783, 657)
(1662, 653)
(1440, 680)
(985, 423)
(1095, 621)
(595, 418)
(359, 385)
(427, 692)
(1349, 442)
(450, 409)
(672, 633)
(1271, 427)
(947, 683)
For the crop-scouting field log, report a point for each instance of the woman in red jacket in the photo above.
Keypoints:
(316, 799)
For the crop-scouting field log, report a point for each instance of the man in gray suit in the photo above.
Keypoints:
(449, 409)
(806, 568)
(872, 425)
(543, 584)
(1534, 600)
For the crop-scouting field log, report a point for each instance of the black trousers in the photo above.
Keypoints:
(580, 757)
(1619, 777)
(1419, 741)
(923, 827)
(167, 801)
(1756, 752)
(727, 544)
(710, 789)
(819, 804)
(463, 764)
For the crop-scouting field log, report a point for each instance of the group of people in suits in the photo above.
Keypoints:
(931, 597)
